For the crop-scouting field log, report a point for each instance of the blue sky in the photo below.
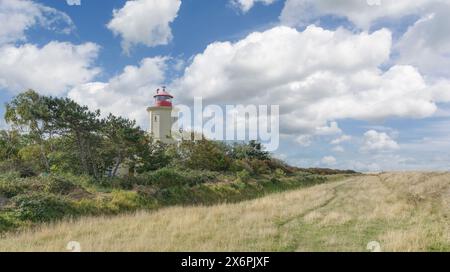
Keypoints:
(198, 23)
(365, 86)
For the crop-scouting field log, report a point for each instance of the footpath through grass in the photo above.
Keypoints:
(401, 211)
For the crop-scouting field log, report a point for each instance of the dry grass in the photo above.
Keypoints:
(403, 211)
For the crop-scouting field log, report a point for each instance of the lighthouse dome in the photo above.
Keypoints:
(163, 98)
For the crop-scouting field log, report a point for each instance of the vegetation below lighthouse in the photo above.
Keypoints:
(60, 160)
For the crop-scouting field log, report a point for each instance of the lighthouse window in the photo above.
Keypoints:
(163, 98)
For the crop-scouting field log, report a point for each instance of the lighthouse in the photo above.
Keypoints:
(161, 119)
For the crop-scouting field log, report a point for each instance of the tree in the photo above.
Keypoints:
(64, 156)
(154, 155)
(123, 139)
(82, 125)
(204, 155)
(28, 111)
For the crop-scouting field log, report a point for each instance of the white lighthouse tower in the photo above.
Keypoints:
(161, 119)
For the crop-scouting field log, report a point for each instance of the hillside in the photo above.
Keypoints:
(402, 211)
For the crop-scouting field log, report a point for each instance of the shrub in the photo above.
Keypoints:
(259, 166)
(166, 177)
(194, 177)
(58, 185)
(22, 170)
(125, 201)
(326, 171)
(274, 164)
(171, 177)
(41, 207)
(7, 166)
(6, 222)
(26, 172)
(279, 173)
(239, 165)
(243, 175)
(309, 179)
(11, 185)
(203, 155)
(250, 150)
(89, 207)
(117, 182)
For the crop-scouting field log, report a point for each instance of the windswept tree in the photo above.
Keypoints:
(83, 126)
(204, 155)
(29, 112)
(123, 141)
(154, 155)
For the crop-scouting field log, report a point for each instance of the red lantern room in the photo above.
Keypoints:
(163, 98)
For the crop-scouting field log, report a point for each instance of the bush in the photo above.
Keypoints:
(195, 177)
(125, 201)
(7, 166)
(279, 173)
(239, 165)
(27, 172)
(11, 185)
(117, 182)
(41, 207)
(203, 155)
(172, 177)
(243, 175)
(309, 179)
(9, 189)
(259, 167)
(274, 164)
(57, 185)
(22, 170)
(250, 150)
(7, 223)
(118, 201)
(326, 171)
(165, 177)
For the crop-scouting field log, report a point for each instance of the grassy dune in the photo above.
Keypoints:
(402, 211)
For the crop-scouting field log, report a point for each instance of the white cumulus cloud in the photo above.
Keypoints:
(144, 22)
(426, 44)
(304, 140)
(127, 94)
(73, 2)
(328, 160)
(361, 12)
(341, 139)
(338, 148)
(317, 76)
(246, 5)
(17, 17)
(378, 141)
(51, 69)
